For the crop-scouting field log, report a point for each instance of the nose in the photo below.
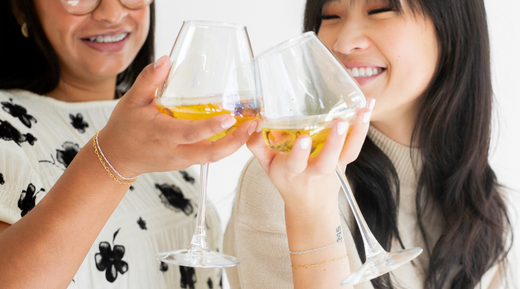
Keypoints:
(111, 11)
(352, 38)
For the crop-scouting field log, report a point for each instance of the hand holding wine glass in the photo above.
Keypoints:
(210, 75)
(306, 91)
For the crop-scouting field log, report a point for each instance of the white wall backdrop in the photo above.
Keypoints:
(272, 21)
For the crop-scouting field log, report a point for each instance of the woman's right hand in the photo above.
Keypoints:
(140, 139)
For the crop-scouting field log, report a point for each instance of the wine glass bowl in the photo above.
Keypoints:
(304, 88)
(211, 73)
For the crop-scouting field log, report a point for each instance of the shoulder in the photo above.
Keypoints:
(258, 203)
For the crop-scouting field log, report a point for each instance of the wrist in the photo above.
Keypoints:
(109, 157)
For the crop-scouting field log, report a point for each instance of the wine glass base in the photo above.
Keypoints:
(381, 264)
(198, 258)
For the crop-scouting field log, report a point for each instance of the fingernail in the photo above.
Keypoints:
(342, 128)
(366, 116)
(372, 104)
(259, 128)
(159, 62)
(228, 122)
(304, 143)
(252, 128)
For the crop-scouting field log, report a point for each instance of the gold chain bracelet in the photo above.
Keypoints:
(318, 264)
(94, 144)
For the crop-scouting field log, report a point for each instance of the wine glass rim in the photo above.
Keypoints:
(213, 24)
(302, 38)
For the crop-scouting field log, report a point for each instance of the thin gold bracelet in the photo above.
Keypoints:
(318, 264)
(105, 166)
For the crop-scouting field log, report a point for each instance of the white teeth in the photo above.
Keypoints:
(355, 72)
(108, 38)
(364, 71)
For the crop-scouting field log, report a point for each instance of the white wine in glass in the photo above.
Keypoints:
(210, 74)
(304, 88)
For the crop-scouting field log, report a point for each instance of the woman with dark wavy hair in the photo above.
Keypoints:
(72, 211)
(422, 178)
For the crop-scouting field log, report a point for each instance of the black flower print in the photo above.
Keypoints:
(172, 197)
(27, 199)
(131, 188)
(2, 181)
(18, 112)
(187, 177)
(78, 122)
(188, 278)
(65, 156)
(163, 267)
(210, 283)
(220, 283)
(111, 260)
(142, 224)
(8, 133)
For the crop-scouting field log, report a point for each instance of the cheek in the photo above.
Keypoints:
(328, 38)
(414, 60)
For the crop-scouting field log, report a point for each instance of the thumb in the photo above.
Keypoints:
(143, 89)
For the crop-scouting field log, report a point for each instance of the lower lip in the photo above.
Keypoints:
(107, 47)
(364, 80)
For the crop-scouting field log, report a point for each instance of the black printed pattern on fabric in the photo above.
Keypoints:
(187, 177)
(163, 267)
(65, 156)
(142, 224)
(78, 122)
(111, 260)
(9, 133)
(173, 198)
(188, 278)
(27, 199)
(210, 283)
(2, 181)
(18, 112)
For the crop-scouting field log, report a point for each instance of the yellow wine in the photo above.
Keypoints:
(280, 136)
(242, 112)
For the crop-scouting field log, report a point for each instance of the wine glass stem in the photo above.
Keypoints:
(372, 246)
(198, 242)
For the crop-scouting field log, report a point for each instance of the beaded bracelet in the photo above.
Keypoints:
(97, 150)
(317, 264)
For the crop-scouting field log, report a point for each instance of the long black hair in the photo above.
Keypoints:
(453, 133)
(32, 64)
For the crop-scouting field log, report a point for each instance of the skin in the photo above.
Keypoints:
(405, 46)
(88, 74)
(47, 246)
(406, 50)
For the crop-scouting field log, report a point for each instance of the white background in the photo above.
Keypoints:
(272, 21)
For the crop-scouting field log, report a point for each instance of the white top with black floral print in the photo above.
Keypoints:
(39, 137)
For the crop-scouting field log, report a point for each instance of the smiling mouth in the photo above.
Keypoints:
(108, 38)
(364, 71)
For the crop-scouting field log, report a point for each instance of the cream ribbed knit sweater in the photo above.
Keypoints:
(256, 231)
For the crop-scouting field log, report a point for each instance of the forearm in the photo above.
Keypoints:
(321, 232)
(47, 246)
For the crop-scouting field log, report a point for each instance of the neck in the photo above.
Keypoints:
(398, 126)
(75, 90)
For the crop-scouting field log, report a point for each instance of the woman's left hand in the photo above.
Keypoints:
(310, 182)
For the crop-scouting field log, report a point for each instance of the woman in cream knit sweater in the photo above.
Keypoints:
(422, 177)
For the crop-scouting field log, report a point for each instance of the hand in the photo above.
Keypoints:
(138, 138)
(310, 182)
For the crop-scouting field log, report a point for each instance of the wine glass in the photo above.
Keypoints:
(304, 88)
(210, 74)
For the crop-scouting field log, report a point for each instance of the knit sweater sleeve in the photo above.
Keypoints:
(256, 234)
